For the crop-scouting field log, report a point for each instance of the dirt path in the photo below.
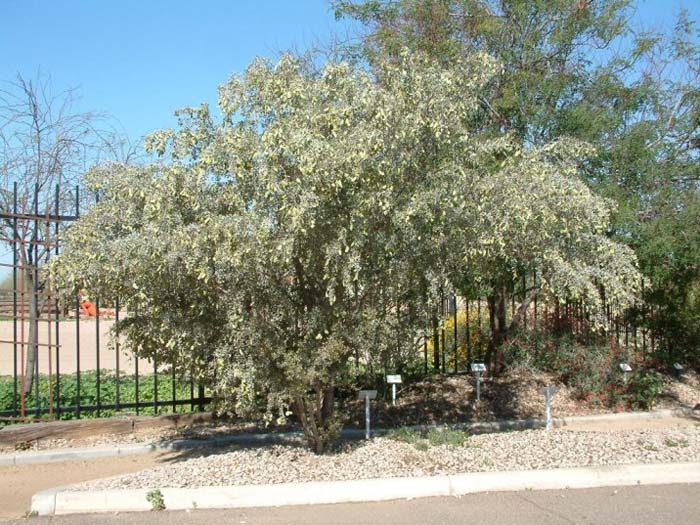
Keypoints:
(20, 482)
(69, 335)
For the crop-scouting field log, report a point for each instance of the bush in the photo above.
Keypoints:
(447, 436)
(645, 387)
(590, 369)
(478, 338)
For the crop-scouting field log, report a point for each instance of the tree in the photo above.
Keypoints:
(580, 69)
(45, 144)
(301, 230)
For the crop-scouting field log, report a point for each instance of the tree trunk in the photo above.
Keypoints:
(497, 322)
(316, 413)
(32, 347)
(491, 300)
(522, 309)
(436, 343)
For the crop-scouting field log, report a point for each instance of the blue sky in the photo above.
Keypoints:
(140, 60)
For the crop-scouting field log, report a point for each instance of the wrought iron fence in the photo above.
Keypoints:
(55, 361)
(54, 358)
(461, 331)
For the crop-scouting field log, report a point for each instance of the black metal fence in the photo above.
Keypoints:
(55, 360)
(462, 328)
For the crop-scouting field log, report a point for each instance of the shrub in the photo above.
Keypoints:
(645, 387)
(447, 436)
(590, 369)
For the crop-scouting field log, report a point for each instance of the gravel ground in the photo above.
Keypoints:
(435, 400)
(385, 457)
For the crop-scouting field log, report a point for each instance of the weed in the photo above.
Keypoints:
(155, 498)
(447, 436)
(434, 438)
(672, 443)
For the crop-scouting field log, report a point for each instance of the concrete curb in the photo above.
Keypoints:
(64, 501)
(72, 454)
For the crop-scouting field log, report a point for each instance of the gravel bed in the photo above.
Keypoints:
(385, 457)
(436, 400)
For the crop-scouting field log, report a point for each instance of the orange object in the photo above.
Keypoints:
(88, 308)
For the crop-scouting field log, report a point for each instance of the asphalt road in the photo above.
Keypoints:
(663, 504)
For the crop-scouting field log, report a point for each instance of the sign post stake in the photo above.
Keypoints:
(548, 392)
(367, 395)
(367, 431)
(477, 369)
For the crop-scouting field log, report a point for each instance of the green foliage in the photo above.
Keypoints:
(559, 79)
(672, 443)
(445, 436)
(155, 498)
(478, 338)
(406, 435)
(108, 389)
(436, 437)
(590, 367)
(645, 387)
(298, 234)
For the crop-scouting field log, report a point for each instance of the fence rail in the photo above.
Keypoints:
(54, 357)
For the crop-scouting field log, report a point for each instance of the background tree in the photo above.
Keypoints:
(45, 144)
(580, 69)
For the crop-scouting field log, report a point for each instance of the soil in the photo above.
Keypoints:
(516, 395)
(432, 401)
(19, 483)
(69, 337)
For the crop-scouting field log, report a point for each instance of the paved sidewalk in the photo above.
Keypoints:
(677, 504)
(18, 483)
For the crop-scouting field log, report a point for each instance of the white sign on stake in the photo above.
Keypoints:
(626, 369)
(478, 368)
(393, 380)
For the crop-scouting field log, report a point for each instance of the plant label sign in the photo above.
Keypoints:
(394, 380)
(367, 394)
(478, 367)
